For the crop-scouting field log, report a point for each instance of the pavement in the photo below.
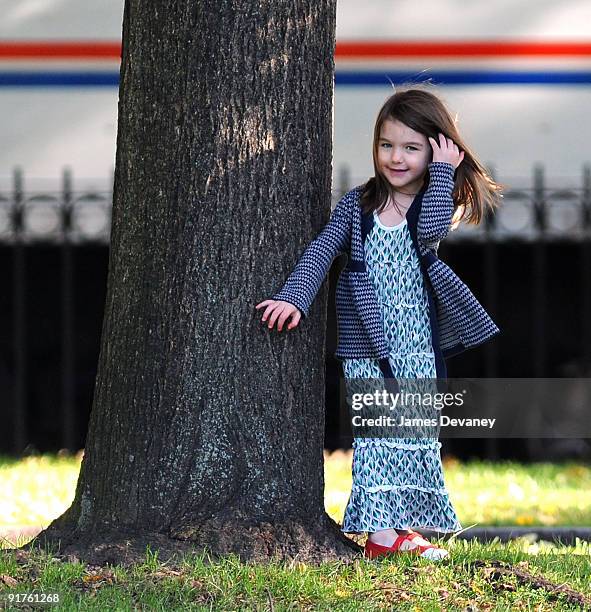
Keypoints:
(558, 535)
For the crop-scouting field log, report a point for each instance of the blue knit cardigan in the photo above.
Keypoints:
(458, 321)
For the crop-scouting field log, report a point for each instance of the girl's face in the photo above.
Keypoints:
(403, 156)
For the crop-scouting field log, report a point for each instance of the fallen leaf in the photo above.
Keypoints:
(8, 580)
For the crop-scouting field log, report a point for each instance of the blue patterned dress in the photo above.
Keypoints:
(398, 482)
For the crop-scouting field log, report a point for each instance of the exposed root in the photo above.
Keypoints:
(311, 543)
(500, 570)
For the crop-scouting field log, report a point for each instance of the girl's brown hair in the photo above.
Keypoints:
(422, 110)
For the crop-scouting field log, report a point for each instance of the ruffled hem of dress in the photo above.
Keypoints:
(392, 487)
(432, 445)
(414, 526)
(395, 513)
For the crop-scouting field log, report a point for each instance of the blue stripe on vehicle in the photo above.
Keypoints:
(342, 78)
(59, 79)
(463, 77)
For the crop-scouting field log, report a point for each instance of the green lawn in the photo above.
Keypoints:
(37, 489)
(466, 579)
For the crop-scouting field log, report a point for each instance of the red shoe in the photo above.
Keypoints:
(405, 544)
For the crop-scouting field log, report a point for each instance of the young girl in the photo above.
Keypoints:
(401, 311)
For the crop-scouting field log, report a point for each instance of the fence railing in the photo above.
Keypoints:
(64, 214)
(527, 212)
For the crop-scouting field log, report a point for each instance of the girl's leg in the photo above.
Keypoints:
(386, 537)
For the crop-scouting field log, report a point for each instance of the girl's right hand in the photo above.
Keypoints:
(280, 311)
(446, 151)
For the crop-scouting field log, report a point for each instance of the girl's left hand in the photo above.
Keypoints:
(446, 151)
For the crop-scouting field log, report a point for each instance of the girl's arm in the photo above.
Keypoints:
(303, 284)
(437, 208)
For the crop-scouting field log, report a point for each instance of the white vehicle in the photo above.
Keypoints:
(518, 75)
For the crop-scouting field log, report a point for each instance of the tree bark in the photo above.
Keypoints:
(207, 429)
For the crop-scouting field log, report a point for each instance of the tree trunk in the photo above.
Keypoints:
(207, 429)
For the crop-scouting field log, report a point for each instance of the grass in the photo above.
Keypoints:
(401, 583)
(39, 488)
(36, 489)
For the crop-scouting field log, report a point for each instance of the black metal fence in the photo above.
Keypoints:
(63, 219)
(530, 265)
